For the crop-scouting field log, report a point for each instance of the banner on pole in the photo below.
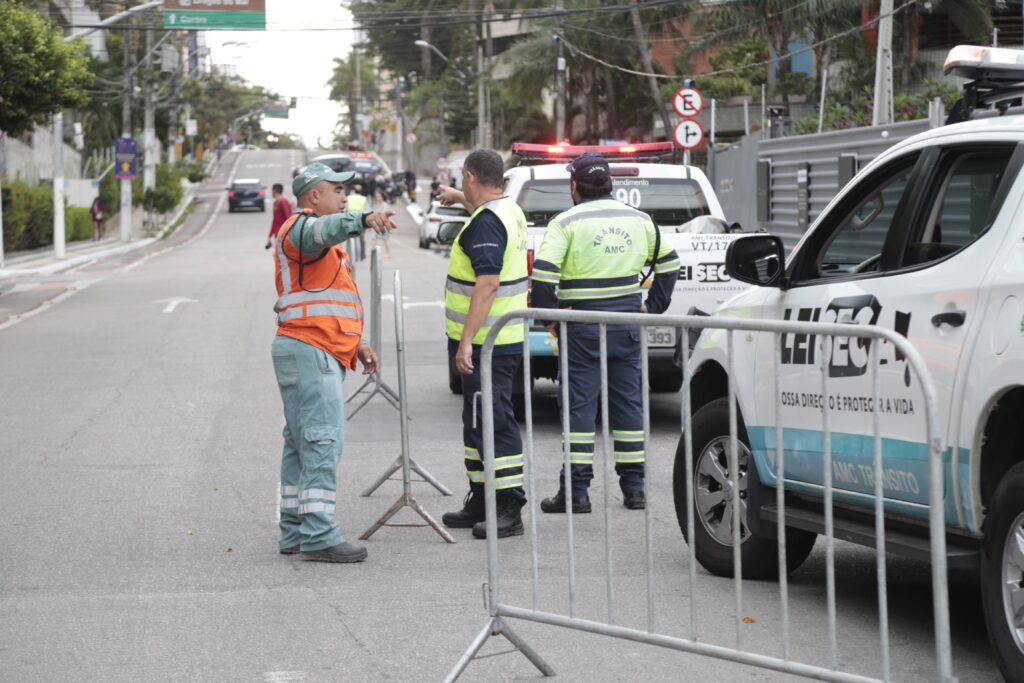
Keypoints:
(126, 155)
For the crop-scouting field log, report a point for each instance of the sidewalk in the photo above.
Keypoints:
(42, 261)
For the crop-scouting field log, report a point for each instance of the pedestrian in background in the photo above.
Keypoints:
(281, 210)
(487, 276)
(594, 254)
(356, 203)
(319, 330)
(98, 211)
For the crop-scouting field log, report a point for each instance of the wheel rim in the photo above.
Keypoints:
(713, 496)
(1013, 580)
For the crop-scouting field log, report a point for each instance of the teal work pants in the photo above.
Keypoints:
(310, 383)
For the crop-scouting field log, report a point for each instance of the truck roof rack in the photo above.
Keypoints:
(531, 154)
(997, 79)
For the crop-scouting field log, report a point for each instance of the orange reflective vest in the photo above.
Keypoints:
(318, 302)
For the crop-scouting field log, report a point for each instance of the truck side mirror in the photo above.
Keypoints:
(447, 232)
(756, 260)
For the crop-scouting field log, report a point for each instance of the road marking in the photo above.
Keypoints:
(284, 676)
(173, 303)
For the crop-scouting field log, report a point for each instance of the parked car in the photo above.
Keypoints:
(246, 193)
(926, 240)
(436, 215)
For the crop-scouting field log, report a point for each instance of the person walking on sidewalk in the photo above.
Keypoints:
(487, 276)
(98, 211)
(594, 254)
(282, 209)
(319, 329)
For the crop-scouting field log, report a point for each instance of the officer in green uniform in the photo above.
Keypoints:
(487, 277)
(593, 254)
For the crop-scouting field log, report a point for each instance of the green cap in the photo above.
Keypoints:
(317, 173)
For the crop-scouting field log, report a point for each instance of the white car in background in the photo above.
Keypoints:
(435, 216)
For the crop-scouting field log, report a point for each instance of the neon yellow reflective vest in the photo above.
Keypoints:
(355, 203)
(513, 279)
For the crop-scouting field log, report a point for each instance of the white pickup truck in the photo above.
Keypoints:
(927, 240)
(681, 201)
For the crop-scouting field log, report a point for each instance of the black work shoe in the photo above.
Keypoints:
(510, 520)
(293, 550)
(472, 512)
(343, 552)
(634, 500)
(556, 503)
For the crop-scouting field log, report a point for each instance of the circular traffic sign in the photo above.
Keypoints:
(688, 134)
(688, 102)
(410, 138)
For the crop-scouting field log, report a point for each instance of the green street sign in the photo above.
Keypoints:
(209, 19)
(276, 113)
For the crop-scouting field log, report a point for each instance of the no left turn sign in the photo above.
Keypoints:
(688, 134)
(688, 102)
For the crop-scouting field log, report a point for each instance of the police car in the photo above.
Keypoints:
(681, 201)
(925, 241)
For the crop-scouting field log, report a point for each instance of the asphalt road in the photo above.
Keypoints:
(139, 447)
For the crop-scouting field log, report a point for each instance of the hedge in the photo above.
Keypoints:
(28, 217)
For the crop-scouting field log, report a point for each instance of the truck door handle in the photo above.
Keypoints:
(951, 318)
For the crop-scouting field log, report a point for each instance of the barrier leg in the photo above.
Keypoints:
(497, 626)
(379, 386)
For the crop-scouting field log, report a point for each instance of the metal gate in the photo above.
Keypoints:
(501, 610)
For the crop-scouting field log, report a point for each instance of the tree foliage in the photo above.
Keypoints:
(40, 73)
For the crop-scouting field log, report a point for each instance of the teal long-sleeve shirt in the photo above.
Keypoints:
(313, 234)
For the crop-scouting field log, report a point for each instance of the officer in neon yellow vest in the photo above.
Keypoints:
(487, 276)
(594, 254)
(356, 202)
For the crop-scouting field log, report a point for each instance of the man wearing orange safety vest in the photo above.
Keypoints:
(319, 330)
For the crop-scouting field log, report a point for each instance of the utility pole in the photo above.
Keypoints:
(151, 150)
(357, 132)
(172, 114)
(560, 82)
(645, 59)
(126, 131)
(882, 112)
(58, 184)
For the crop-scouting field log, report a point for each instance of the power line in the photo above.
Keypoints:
(744, 67)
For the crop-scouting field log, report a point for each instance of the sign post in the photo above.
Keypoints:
(688, 134)
(231, 15)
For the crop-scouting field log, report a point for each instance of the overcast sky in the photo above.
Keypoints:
(291, 61)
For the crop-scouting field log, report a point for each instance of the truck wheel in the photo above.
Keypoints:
(1002, 574)
(715, 505)
(454, 378)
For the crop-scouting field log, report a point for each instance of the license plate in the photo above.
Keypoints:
(661, 336)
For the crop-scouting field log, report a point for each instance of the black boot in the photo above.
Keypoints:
(634, 500)
(556, 503)
(472, 511)
(510, 519)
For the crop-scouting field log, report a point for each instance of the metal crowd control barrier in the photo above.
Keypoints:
(405, 459)
(501, 611)
(374, 380)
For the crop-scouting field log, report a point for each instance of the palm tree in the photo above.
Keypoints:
(343, 84)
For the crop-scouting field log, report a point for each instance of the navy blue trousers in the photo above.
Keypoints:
(625, 404)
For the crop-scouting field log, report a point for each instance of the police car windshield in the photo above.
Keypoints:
(669, 201)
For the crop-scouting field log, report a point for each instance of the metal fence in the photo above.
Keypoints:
(502, 610)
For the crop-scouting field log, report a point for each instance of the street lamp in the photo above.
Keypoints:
(483, 116)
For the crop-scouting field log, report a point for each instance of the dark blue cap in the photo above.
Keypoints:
(590, 168)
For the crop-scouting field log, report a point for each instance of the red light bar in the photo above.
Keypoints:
(361, 155)
(540, 153)
(625, 171)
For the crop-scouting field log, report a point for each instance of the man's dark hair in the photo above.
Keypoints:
(486, 166)
(278, 187)
(594, 190)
